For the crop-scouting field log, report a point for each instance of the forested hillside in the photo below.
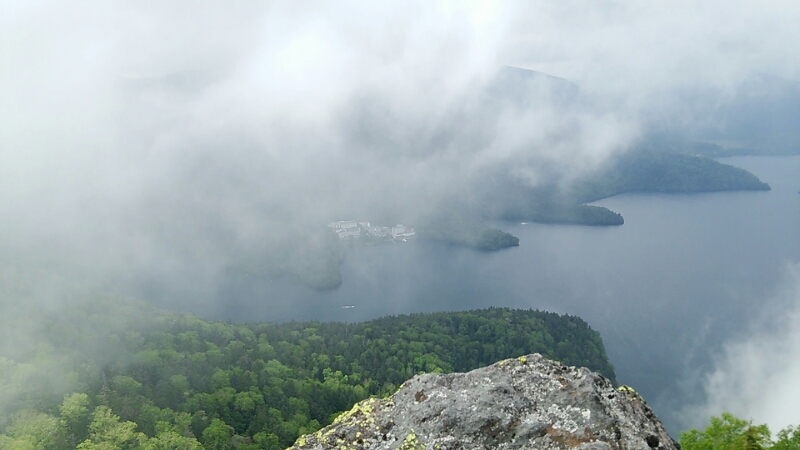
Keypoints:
(635, 171)
(136, 377)
(653, 171)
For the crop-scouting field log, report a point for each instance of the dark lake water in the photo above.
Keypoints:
(684, 274)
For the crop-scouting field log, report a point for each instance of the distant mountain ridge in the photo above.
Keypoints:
(526, 88)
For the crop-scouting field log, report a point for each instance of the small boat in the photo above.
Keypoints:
(348, 306)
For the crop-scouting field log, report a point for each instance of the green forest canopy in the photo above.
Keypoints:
(137, 377)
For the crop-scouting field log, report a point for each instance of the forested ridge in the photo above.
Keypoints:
(635, 171)
(137, 377)
(654, 171)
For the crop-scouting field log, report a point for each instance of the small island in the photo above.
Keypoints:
(458, 229)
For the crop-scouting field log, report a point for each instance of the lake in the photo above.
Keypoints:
(685, 274)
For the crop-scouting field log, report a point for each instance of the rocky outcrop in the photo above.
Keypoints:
(524, 403)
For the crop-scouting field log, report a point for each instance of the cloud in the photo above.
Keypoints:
(757, 376)
(148, 130)
(172, 137)
(144, 134)
(641, 47)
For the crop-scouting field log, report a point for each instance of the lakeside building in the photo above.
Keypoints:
(351, 228)
(343, 224)
(379, 231)
(350, 232)
(401, 231)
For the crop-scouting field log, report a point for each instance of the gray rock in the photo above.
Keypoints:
(524, 403)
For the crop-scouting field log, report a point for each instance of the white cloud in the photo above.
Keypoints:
(758, 376)
(134, 131)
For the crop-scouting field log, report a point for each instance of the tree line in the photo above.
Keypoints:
(139, 378)
(728, 432)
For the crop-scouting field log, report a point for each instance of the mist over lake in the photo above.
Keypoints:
(188, 156)
(684, 274)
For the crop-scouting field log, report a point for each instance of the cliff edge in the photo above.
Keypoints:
(524, 403)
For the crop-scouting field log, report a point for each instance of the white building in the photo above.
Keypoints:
(398, 230)
(402, 231)
(343, 224)
(350, 232)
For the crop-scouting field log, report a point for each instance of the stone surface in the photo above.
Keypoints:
(524, 403)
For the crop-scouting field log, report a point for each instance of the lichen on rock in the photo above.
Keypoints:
(524, 403)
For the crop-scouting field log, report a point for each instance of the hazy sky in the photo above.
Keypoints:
(162, 134)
